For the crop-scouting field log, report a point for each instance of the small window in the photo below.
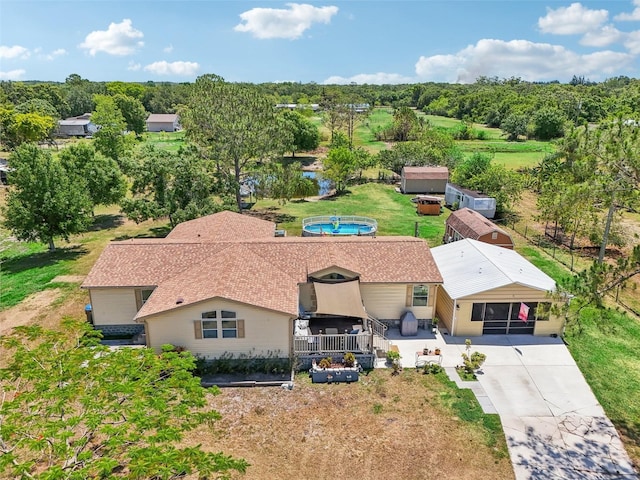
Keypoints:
(145, 294)
(228, 314)
(420, 295)
(210, 328)
(477, 312)
(494, 235)
(213, 314)
(229, 329)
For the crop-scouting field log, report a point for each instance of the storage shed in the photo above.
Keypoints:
(79, 126)
(427, 204)
(163, 122)
(458, 197)
(424, 179)
(467, 223)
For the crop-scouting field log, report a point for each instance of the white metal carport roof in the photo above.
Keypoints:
(469, 267)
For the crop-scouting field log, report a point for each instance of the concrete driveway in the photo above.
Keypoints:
(554, 426)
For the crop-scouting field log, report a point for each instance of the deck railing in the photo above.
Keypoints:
(341, 219)
(331, 343)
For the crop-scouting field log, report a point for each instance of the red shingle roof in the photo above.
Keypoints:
(223, 226)
(425, 173)
(471, 224)
(262, 271)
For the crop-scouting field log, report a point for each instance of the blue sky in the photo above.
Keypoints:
(360, 41)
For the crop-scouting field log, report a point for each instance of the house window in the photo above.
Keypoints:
(494, 235)
(420, 295)
(477, 312)
(219, 324)
(145, 294)
(209, 327)
(142, 295)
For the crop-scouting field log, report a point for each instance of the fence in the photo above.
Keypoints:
(567, 257)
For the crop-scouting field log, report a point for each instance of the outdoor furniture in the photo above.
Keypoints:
(431, 358)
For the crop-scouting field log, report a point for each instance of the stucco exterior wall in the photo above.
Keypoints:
(113, 306)
(265, 332)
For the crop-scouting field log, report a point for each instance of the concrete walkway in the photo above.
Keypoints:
(554, 426)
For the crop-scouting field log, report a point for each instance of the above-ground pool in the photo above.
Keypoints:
(338, 225)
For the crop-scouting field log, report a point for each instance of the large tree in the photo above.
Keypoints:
(234, 125)
(45, 200)
(110, 139)
(106, 185)
(177, 186)
(304, 134)
(73, 409)
(132, 111)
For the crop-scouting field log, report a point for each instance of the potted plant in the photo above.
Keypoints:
(437, 350)
(349, 359)
(325, 363)
(434, 324)
(393, 357)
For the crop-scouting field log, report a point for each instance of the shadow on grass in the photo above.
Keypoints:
(106, 222)
(43, 259)
(154, 232)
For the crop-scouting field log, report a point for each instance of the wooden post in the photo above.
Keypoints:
(415, 233)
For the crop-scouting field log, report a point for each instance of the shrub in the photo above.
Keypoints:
(349, 359)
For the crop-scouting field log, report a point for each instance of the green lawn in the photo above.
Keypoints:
(171, 141)
(394, 212)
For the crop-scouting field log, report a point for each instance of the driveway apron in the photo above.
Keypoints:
(554, 426)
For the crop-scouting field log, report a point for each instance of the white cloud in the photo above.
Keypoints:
(602, 37)
(119, 39)
(517, 58)
(56, 53)
(168, 49)
(13, 52)
(184, 69)
(133, 66)
(288, 23)
(12, 75)
(632, 42)
(379, 78)
(571, 20)
(633, 16)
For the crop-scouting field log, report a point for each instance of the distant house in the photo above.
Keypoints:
(467, 223)
(80, 126)
(424, 179)
(163, 122)
(491, 290)
(458, 197)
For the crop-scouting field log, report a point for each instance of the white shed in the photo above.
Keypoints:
(163, 122)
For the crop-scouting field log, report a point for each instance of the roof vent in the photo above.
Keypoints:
(179, 300)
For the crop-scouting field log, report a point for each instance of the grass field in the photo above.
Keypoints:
(395, 213)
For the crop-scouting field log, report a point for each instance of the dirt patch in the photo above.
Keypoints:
(380, 427)
(68, 279)
(26, 312)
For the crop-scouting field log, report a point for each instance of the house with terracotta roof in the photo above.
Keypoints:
(467, 223)
(492, 290)
(424, 179)
(163, 122)
(225, 284)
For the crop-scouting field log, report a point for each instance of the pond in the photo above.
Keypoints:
(324, 186)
